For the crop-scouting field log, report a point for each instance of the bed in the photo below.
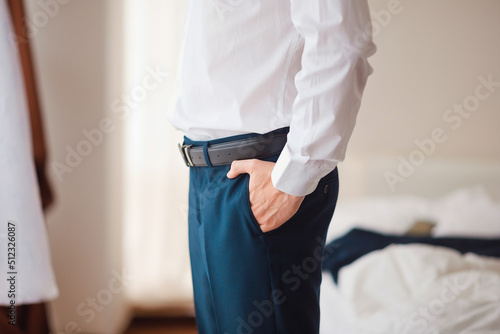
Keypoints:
(434, 284)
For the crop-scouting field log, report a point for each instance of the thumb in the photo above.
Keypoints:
(238, 167)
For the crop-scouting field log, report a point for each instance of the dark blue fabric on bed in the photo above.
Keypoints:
(358, 242)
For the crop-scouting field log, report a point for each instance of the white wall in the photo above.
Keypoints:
(77, 50)
(430, 55)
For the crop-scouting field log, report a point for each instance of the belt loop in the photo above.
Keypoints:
(205, 153)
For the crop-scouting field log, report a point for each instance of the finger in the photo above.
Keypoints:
(239, 167)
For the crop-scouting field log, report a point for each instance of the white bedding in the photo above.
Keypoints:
(335, 318)
(414, 289)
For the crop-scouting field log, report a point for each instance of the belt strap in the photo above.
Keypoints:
(225, 153)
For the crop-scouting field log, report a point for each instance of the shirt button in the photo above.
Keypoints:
(326, 188)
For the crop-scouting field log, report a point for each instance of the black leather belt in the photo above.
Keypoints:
(260, 146)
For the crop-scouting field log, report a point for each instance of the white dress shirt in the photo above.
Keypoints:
(255, 66)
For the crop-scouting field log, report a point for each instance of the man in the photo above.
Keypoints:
(269, 95)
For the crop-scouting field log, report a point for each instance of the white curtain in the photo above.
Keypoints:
(155, 178)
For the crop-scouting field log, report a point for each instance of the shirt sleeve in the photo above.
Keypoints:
(337, 42)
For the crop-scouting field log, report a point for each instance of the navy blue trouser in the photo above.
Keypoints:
(246, 281)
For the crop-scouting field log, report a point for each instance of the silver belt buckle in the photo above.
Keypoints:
(185, 155)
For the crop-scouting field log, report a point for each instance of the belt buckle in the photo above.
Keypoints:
(185, 155)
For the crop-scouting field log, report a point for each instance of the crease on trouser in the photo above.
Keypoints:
(207, 273)
(200, 276)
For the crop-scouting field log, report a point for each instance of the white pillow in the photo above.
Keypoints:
(469, 212)
(385, 215)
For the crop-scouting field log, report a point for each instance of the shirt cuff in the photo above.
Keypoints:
(297, 176)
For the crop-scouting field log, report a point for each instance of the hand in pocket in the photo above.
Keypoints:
(270, 206)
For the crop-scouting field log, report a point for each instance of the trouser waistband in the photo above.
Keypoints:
(224, 151)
